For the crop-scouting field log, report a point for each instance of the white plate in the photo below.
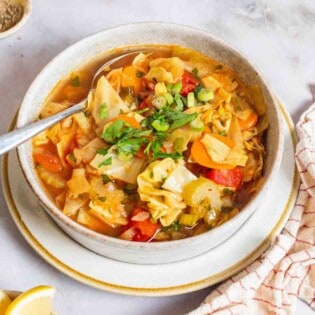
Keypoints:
(153, 280)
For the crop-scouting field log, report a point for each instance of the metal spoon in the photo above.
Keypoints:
(18, 136)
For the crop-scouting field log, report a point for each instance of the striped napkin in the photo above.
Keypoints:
(286, 271)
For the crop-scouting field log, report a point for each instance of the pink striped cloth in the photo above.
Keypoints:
(286, 271)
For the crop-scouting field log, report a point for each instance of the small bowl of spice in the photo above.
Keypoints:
(13, 15)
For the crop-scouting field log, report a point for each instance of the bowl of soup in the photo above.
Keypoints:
(176, 148)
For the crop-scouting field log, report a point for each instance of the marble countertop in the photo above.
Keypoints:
(278, 36)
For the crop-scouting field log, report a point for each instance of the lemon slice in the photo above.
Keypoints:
(36, 301)
(4, 302)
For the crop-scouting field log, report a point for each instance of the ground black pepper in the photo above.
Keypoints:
(10, 14)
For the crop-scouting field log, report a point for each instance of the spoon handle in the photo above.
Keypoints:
(14, 138)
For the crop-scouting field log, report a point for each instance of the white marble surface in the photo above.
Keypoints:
(278, 36)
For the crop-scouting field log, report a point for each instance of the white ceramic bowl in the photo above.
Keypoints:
(147, 33)
(27, 6)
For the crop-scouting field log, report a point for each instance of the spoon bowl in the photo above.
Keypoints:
(18, 136)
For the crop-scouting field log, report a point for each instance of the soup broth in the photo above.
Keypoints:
(171, 144)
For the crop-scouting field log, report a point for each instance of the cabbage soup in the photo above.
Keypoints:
(171, 145)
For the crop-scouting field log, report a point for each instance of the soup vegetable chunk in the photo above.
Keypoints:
(171, 145)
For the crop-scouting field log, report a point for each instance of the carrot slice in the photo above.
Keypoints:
(223, 139)
(130, 120)
(129, 78)
(201, 156)
(249, 122)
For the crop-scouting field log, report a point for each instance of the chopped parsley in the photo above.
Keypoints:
(163, 155)
(102, 151)
(75, 81)
(198, 89)
(130, 187)
(174, 117)
(174, 226)
(108, 161)
(195, 72)
(105, 179)
(72, 157)
(113, 131)
(128, 140)
(103, 199)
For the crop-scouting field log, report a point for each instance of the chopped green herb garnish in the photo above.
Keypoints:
(140, 74)
(182, 119)
(195, 72)
(163, 155)
(103, 199)
(75, 81)
(130, 187)
(197, 89)
(174, 117)
(222, 133)
(103, 112)
(128, 147)
(72, 157)
(105, 179)
(108, 161)
(174, 226)
(113, 131)
(102, 151)
(156, 143)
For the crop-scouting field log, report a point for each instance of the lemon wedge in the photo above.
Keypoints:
(4, 302)
(35, 301)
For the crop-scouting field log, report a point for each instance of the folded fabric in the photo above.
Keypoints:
(286, 271)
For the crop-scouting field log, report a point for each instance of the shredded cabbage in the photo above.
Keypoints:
(164, 205)
(106, 94)
(126, 171)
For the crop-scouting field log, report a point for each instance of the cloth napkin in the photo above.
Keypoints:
(286, 271)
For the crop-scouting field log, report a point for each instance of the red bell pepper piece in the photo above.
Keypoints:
(230, 178)
(145, 229)
(189, 83)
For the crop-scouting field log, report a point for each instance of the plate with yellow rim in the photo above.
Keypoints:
(154, 280)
